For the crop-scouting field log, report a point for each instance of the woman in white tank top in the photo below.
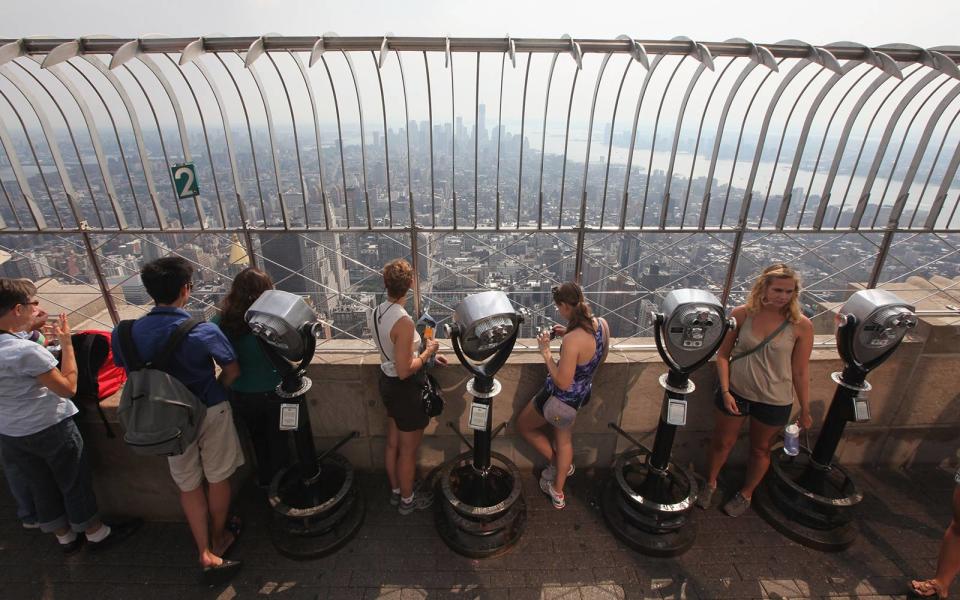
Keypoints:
(762, 367)
(401, 380)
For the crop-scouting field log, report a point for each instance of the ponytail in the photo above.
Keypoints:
(571, 294)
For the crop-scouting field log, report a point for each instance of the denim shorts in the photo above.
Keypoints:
(768, 414)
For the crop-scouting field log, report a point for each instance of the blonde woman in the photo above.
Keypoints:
(762, 368)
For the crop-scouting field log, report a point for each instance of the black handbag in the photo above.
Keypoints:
(430, 397)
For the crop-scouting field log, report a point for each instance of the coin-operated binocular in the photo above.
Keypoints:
(807, 497)
(647, 502)
(481, 512)
(317, 507)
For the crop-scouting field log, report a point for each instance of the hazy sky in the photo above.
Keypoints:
(922, 22)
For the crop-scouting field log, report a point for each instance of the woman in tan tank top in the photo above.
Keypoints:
(760, 378)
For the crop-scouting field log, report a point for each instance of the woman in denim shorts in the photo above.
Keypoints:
(762, 367)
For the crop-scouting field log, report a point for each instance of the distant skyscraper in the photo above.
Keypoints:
(285, 256)
(482, 121)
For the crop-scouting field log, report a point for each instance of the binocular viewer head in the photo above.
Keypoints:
(690, 327)
(285, 322)
(484, 323)
(871, 324)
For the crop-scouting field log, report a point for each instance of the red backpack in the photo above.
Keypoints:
(98, 377)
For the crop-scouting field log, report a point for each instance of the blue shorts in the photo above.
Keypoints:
(768, 414)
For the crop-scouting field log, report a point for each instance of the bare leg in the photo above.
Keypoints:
(390, 455)
(761, 438)
(194, 505)
(564, 456)
(530, 425)
(948, 561)
(219, 499)
(409, 443)
(724, 438)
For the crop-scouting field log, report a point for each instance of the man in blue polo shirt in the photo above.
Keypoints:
(216, 453)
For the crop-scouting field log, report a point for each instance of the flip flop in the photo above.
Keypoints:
(215, 575)
(234, 526)
(933, 589)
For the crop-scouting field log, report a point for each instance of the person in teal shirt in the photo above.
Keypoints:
(254, 397)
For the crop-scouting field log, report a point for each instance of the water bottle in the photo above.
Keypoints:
(791, 439)
(426, 325)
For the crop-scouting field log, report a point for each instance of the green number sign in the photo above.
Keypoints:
(185, 180)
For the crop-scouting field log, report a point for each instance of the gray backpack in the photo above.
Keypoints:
(160, 415)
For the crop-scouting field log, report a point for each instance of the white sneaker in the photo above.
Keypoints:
(550, 472)
(556, 497)
(421, 501)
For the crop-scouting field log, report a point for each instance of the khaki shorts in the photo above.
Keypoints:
(215, 454)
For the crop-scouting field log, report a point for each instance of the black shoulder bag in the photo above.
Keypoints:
(430, 396)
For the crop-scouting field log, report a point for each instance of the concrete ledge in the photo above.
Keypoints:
(915, 406)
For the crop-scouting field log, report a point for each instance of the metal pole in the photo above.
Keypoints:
(101, 280)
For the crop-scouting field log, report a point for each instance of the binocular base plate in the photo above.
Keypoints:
(666, 544)
(301, 544)
(833, 539)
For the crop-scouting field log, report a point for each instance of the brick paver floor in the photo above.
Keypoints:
(565, 554)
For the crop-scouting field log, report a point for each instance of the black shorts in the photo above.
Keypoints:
(768, 414)
(404, 401)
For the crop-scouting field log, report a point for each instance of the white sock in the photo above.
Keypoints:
(100, 534)
(67, 538)
(408, 500)
(395, 490)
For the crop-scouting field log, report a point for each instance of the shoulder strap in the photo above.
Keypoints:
(377, 330)
(130, 354)
(161, 361)
(765, 341)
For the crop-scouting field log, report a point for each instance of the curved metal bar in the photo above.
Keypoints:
(676, 140)
(922, 144)
(523, 122)
(363, 137)
(633, 138)
(13, 209)
(841, 147)
(823, 142)
(137, 136)
(653, 140)
(206, 139)
(51, 139)
(181, 125)
(316, 131)
(696, 146)
(253, 152)
(586, 160)
(762, 136)
(705, 205)
(296, 139)
(543, 139)
(8, 147)
(503, 62)
(566, 141)
(231, 151)
(406, 112)
(884, 141)
(448, 64)
(433, 194)
(343, 168)
(784, 201)
(54, 150)
(386, 132)
(273, 146)
(94, 133)
(613, 122)
(938, 200)
(116, 134)
(476, 148)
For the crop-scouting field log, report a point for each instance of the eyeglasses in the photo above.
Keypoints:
(32, 302)
(189, 285)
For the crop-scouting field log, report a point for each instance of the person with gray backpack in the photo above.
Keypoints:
(174, 405)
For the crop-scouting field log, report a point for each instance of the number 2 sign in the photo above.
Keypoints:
(185, 180)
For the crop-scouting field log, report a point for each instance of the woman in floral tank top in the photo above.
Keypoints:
(567, 388)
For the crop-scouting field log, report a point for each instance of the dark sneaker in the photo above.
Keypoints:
(72, 547)
(737, 505)
(705, 497)
(118, 532)
(395, 496)
(421, 501)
